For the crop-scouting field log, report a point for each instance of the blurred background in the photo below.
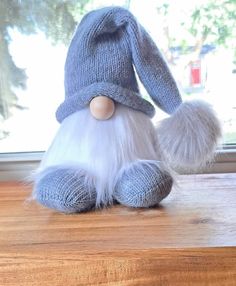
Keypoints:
(197, 39)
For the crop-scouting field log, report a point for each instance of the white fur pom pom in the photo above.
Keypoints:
(187, 139)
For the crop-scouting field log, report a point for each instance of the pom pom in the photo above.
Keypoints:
(187, 140)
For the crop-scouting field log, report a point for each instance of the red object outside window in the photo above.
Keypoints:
(195, 73)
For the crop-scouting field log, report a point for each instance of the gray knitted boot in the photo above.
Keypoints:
(65, 190)
(143, 184)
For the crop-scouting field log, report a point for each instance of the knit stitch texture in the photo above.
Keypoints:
(100, 59)
(65, 190)
(143, 185)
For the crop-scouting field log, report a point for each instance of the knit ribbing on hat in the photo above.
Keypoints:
(100, 59)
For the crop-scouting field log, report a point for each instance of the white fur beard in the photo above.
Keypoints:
(101, 148)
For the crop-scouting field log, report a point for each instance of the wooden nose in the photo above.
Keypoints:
(102, 107)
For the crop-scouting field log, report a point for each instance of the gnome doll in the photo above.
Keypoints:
(107, 148)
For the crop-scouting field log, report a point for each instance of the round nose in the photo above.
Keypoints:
(102, 107)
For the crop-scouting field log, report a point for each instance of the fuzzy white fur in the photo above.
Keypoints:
(188, 138)
(102, 148)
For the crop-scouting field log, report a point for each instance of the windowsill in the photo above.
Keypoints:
(19, 166)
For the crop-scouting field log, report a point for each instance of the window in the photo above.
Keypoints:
(196, 38)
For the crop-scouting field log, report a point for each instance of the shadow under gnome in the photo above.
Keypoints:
(107, 148)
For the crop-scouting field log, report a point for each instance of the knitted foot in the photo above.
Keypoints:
(143, 184)
(65, 190)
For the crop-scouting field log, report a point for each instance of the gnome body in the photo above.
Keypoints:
(107, 148)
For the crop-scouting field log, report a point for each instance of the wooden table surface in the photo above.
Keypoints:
(189, 239)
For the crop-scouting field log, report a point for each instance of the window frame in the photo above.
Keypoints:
(20, 166)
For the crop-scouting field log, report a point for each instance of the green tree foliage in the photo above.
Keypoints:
(56, 18)
(214, 22)
(211, 22)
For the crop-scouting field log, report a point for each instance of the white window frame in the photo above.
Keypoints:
(20, 166)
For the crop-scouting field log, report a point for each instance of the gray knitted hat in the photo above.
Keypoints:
(100, 59)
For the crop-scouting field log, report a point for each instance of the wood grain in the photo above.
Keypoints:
(188, 240)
